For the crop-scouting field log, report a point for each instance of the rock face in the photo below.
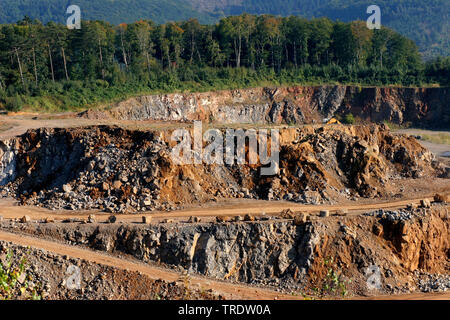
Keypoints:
(282, 253)
(128, 171)
(423, 107)
(8, 152)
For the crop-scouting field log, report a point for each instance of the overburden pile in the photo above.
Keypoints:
(124, 171)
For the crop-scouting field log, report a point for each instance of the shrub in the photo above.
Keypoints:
(15, 282)
(14, 103)
(349, 119)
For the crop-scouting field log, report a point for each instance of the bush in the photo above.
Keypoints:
(349, 119)
(13, 103)
(15, 282)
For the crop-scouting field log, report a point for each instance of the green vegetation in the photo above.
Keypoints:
(15, 282)
(48, 67)
(396, 126)
(425, 22)
(440, 138)
(115, 12)
(349, 119)
(333, 283)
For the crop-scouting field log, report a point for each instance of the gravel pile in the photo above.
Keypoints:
(396, 215)
(123, 171)
(433, 282)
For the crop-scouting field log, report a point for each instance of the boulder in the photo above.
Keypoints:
(425, 203)
(25, 219)
(300, 219)
(117, 184)
(248, 217)
(146, 220)
(324, 213)
(440, 197)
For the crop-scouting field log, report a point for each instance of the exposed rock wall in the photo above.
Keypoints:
(424, 107)
(279, 252)
(8, 152)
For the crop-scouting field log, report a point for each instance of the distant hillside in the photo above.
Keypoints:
(113, 11)
(426, 22)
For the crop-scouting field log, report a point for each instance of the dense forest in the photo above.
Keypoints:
(51, 67)
(425, 22)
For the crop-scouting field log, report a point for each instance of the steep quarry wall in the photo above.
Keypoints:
(423, 107)
(279, 252)
(8, 152)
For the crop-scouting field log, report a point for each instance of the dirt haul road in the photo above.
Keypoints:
(9, 210)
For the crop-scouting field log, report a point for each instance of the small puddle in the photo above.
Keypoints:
(446, 154)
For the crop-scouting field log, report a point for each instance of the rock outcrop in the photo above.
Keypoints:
(280, 252)
(422, 107)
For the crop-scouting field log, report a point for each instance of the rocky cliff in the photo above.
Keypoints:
(402, 245)
(422, 107)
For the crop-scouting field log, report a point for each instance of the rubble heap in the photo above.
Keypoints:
(118, 170)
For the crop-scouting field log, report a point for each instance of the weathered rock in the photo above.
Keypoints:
(91, 218)
(325, 160)
(425, 203)
(25, 219)
(146, 219)
(440, 197)
(300, 219)
(287, 214)
(112, 219)
(324, 213)
(282, 105)
(378, 229)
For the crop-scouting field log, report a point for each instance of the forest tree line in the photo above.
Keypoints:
(102, 61)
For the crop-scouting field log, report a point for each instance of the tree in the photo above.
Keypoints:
(319, 44)
(343, 46)
(362, 37)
